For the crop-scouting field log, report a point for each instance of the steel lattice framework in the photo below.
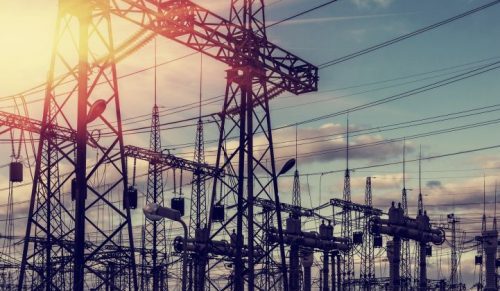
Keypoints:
(347, 266)
(86, 27)
(405, 266)
(259, 71)
(367, 270)
(246, 83)
(196, 27)
(454, 282)
(198, 212)
(296, 199)
(155, 238)
(347, 256)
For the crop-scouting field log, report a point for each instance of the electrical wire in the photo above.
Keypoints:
(300, 14)
(406, 36)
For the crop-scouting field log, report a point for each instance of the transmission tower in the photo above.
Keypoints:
(56, 252)
(420, 206)
(198, 211)
(405, 243)
(154, 257)
(495, 210)
(246, 111)
(347, 256)
(420, 198)
(296, 199)
(454, 282)
(367, 271)
(480, 246)
(260, 70)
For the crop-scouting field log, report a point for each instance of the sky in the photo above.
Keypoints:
(452, 183)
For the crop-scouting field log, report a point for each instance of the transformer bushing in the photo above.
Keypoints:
(490, 245)
(400, 226)
(307, 260)
(293, 226)
(394, 257)
(323, 241)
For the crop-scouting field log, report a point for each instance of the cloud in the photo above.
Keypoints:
(372, 3)
(487, 161)
(434, 184)
(327, 143)
(380, 182)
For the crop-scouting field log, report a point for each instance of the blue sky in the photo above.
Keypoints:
(323, 35)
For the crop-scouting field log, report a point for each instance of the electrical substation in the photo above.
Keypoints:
(101, 196)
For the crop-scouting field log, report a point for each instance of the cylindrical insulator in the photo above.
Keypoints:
(490, 244)
(16, 172)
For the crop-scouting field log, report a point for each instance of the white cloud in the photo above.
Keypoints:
(371, 3)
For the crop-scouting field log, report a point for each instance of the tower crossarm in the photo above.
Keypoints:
(355, 207)
(10, 120)
(171, 161)
(204, 31)
(289, 208)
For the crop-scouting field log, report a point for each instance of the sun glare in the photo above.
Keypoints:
(25, 43)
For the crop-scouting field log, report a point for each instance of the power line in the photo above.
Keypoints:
(443, 82)
(405, 36)
(396, 126)
(215, 99)
(413, 160)
(301, 13)
(421, 89)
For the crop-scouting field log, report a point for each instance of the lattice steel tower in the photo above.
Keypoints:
(296, 199)
(405, 267)
(454, 281)
(367, 270)
(347, 256)
(420, 206)
(251, 83)
(198, 210)
(480, 246)
(154, 258)
(83, 56)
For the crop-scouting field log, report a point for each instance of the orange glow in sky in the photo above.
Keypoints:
(25, 43)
